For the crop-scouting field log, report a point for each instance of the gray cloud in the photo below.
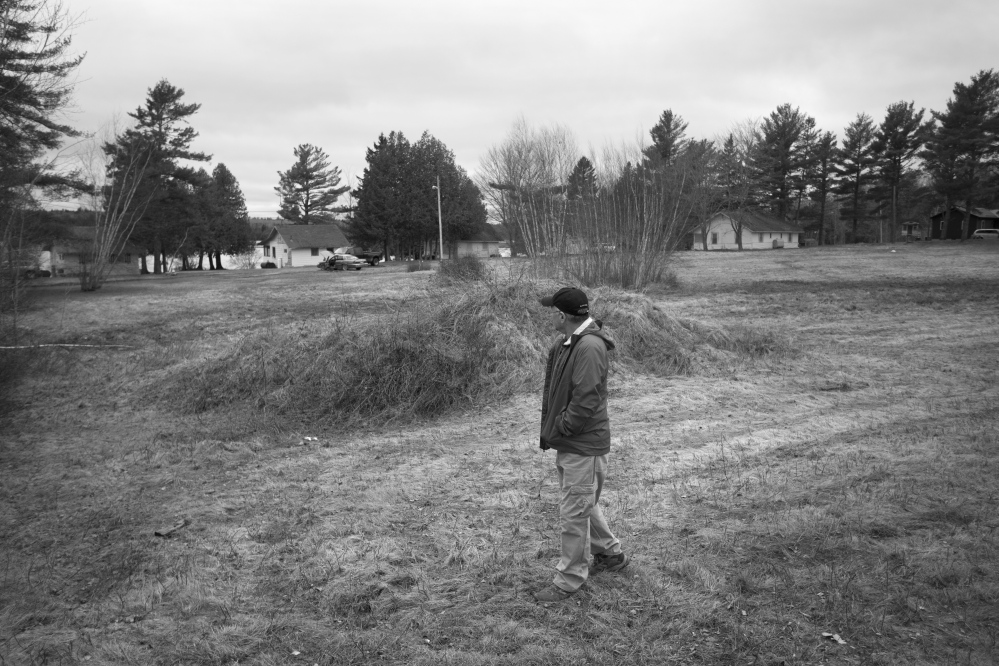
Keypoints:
(270, 76)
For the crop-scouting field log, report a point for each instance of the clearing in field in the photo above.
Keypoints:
(345, 468)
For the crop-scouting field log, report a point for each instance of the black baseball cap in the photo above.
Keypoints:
(569, 300)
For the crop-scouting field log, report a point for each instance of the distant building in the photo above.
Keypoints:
(759, 232)
(483, 242)
(289, 245)
(68, 254)
(949, 227)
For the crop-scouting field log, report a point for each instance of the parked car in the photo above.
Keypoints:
(341, 262)
(371, 257)
(992, 234)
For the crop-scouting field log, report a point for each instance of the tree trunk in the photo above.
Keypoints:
(894, 213)
(143, 266)
(201, 260)
(157, 252)
(218, 260)
(822, 221)
(966, 222)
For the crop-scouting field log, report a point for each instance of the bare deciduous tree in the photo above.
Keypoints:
(115, 167)
(621, 231)
(525, 179)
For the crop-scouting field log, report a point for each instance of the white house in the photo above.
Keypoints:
(302, 244)
(483, 242)
(759, 232)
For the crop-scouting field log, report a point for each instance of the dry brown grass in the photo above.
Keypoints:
(840, 482)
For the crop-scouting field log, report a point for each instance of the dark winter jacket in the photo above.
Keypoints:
(574, 403)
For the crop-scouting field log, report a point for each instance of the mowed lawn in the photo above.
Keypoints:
(829, 498)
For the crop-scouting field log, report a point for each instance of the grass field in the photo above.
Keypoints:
(814, 481)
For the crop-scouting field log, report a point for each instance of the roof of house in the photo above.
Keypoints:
(310, 235)
(759, 222)
(982, 213)
(483, 233)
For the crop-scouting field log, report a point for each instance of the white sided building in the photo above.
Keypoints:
(759, 232)
(290, 245)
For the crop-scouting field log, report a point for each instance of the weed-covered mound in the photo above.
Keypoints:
(649, 339)
(452, 348)
(447, 351)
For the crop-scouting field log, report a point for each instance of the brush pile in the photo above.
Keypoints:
(453, 348)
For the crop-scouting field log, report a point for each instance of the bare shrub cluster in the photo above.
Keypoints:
(613, 220)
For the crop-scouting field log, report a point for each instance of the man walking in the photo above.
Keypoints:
(574, 422)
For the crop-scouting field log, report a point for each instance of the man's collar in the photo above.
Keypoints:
(582, 327)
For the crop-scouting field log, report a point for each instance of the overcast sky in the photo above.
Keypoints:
(272, 75)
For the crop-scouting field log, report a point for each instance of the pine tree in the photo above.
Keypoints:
(739, 179)
(785, 156)
(310, 189)
(582, 181)
(228, 220)
(162, 127)
(968, 138)
(462, 210)
(34, 70)
(854, 170)
(825, 154)
(381, 213)
(397, 203)
(668, 138)
(896, 143)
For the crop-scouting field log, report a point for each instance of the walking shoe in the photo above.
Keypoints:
(552, 594)
(605, 562)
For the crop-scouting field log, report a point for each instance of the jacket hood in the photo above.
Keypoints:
(596, 328)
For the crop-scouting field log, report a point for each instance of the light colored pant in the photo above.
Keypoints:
(584, 530)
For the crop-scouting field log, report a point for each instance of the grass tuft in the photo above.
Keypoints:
(463, 269)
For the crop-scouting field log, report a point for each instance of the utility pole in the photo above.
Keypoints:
(440, 220)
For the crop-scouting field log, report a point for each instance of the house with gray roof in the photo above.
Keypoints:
(759, 232)
(289, 245)
(483, 242)
(949, 226)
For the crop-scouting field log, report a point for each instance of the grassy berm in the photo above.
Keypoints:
(344, 468)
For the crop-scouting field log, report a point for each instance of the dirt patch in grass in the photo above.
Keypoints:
(840, 485)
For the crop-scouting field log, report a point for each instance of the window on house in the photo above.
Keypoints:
(315, 252)
(761, 238)
(714, 238)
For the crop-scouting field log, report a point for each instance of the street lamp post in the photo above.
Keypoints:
(440, 220)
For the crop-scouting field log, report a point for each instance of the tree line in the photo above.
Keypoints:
(625, 207)
(137, 183)
(395, 204)
(648, 198)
